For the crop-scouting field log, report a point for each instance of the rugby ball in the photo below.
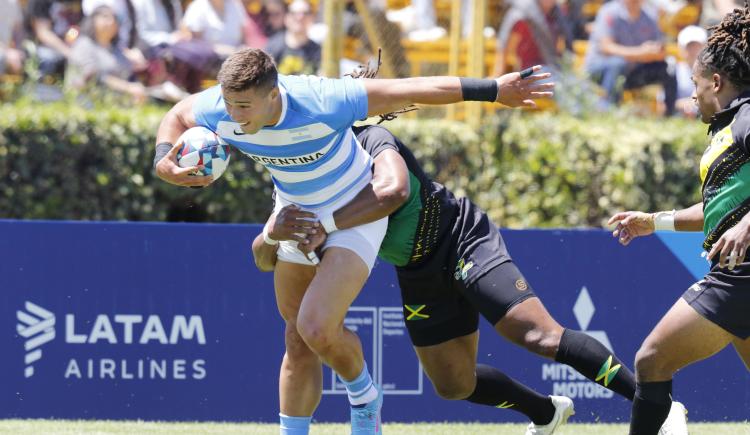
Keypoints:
(201, 146)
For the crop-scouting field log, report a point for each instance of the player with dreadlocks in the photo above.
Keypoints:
(714, 311)
(452, 265)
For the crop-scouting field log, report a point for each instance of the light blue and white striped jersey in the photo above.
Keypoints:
(313, 156)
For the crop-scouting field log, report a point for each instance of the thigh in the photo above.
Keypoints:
(743, 350)
(337, 282)
(451, 361)
(683, 337)
(529, 323)
(290, 283)
(498, 291)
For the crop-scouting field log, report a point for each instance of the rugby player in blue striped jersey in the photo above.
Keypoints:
(299, 128)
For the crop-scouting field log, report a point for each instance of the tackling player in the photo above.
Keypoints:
(452, 266)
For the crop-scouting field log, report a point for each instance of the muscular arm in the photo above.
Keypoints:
(387, 191)
(388, 95)
(689, 219)
(174, 123)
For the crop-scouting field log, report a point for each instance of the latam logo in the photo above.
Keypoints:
(37, 327)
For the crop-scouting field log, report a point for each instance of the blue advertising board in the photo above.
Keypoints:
(173, 322)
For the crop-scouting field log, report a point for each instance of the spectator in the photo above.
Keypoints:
(273, 12)
(218, 22)
(626, 43)
(127, 37)
(292, 49)
(157, 23)
(691, 41)
(530, 34)
(172, 55)
(97, 58)
(11, 21)
(48, 22)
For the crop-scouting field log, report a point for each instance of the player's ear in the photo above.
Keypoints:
(274, 94)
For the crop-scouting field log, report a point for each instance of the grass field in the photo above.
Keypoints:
(22, 427)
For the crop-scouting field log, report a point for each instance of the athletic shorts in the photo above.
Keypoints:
(363, 240)
(467, 275)
(723, 297)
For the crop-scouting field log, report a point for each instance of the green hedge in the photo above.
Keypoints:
(527, 169)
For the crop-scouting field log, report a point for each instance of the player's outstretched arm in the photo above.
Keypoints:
(513, 89)
(632, 224)
(174, 123)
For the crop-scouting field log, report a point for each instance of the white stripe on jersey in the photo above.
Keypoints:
(361, 164)
(341, 156)
(265, 137)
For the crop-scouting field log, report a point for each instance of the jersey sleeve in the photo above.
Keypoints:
(339, 102)
(208, 108)
(375, 139)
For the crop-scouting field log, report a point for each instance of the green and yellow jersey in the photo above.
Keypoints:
(725, 170)
(427, 216)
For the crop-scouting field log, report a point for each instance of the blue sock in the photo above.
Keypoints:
(294, 425)
(361, 390)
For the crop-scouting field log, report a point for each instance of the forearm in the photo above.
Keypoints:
(387, 95)
(368, 206)
(264, 254)
(388, 190)
(48, 38)
(689, 219)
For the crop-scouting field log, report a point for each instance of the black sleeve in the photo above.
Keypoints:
(375, 139)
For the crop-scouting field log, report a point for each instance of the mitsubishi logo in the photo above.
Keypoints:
(584, 311)
(37, 326)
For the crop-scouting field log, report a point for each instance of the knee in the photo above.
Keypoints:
(651, 364)
(296, 349)
(316, 333)
(543, 342)
(454, 389)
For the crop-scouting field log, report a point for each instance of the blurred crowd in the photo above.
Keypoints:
(166, 49)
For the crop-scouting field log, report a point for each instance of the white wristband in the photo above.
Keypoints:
(267, 238)
(664, 221)
(329, 224)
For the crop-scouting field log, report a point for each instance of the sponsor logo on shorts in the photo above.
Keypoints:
(415, 312)
(521, 285)
(698, 286)
(462, 269)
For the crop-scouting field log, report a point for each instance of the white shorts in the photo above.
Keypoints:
(363, 240)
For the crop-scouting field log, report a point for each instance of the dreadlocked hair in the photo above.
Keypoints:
(728, 48)
(369, 72)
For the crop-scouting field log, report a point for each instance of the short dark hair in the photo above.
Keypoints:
(248, 68)
(728, 49)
